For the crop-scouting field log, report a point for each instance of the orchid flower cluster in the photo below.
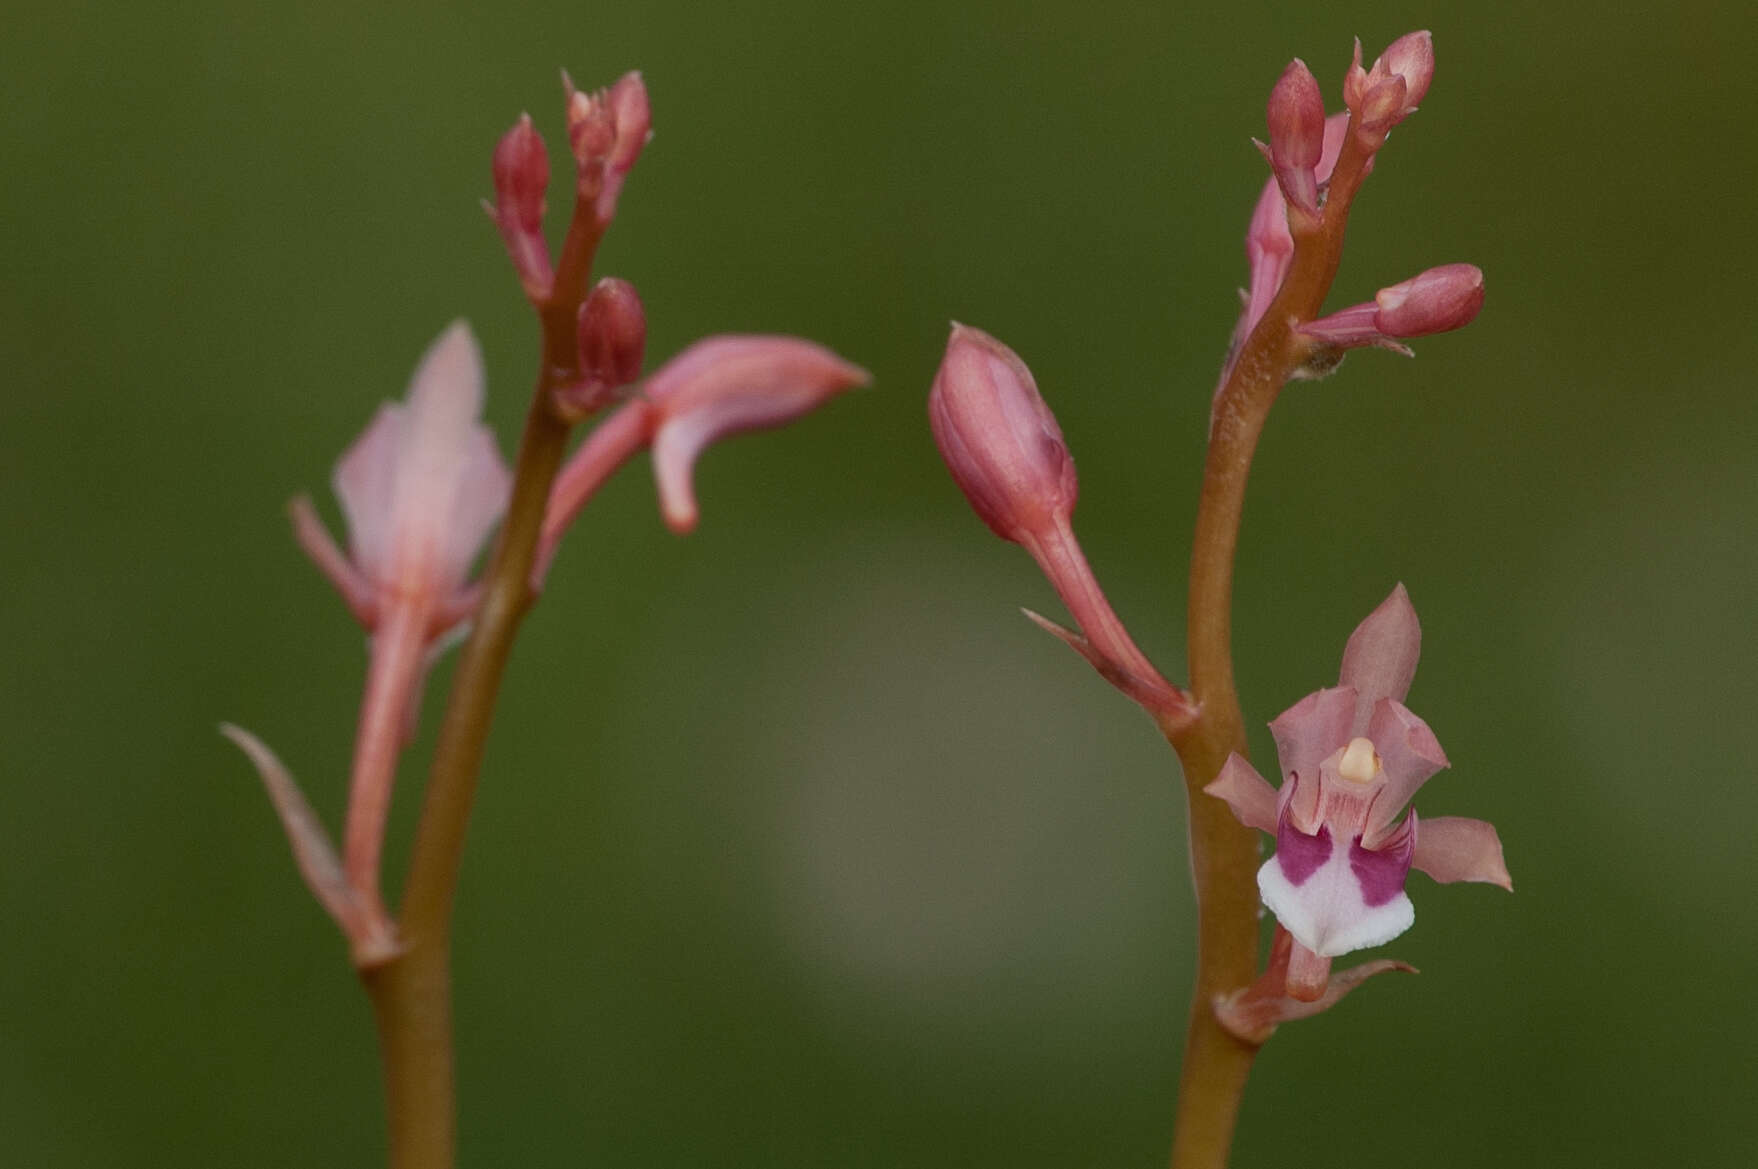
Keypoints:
(1352, 755)
(425, 485)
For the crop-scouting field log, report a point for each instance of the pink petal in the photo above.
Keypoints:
(1253, 801)
(365, 482)
(1310, 730)
(1457, 848)
(1409, 753)
(1380, 658)
(725, 385)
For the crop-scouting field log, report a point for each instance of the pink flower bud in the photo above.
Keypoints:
(1436, 301)
(1296, 117)
(611, 339)
(1388, 93)
(1440, 299)
(521, 176)
(998, 438)
(726, 385)
(606, 131)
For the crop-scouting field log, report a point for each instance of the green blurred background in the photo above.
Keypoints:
(797, 846)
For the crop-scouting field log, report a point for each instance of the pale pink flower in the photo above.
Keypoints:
(421, 489)
(1352, 757)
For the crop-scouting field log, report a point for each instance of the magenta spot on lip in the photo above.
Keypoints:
(1299, 855)
(1381, 874)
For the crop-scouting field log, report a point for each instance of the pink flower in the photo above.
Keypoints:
(421, 489)
(1352, 757)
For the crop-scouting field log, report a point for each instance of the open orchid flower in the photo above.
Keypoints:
(1352, 756)
(421, 488)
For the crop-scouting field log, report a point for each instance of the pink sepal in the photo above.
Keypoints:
(722, 386)
(1388, 93)
(372, 937)
(1253, 1013)
(1380, 657)
(1252, 799)
(1458, 848)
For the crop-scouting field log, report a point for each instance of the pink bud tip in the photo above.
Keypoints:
(1296, 117)
(722, 386)
(521, 176)
(1388, 93)
(1439, 299)
(606, 131)
(612, 337)
(998, 438)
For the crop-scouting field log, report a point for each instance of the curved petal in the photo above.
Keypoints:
(1409, 752)
(725, 385)
(365, 481)
(1380, 658)
(1253, 801)
(1457, 848)
(1310, 730)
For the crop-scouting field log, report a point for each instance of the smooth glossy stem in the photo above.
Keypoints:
(1224, 853)
(411, 995)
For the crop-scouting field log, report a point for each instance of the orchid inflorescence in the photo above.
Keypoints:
(1351, 755)
(424, 487)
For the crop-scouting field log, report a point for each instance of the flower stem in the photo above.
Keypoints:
(1223, 852)
(411, 994)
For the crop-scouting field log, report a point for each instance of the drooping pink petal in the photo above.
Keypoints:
(1380, 657)
(1252, 800)
(1457, 848)
(725, 385)
(1409, 753)
(1312, 729)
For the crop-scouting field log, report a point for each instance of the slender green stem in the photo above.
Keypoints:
(1224, 853)
(411, 995)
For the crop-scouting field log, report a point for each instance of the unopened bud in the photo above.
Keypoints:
(521, 176)
(998, 438)
(611, 338)
(1388, 93)
(1296, 117)
(606, 131)
(1440, 299)
(1436, 301)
